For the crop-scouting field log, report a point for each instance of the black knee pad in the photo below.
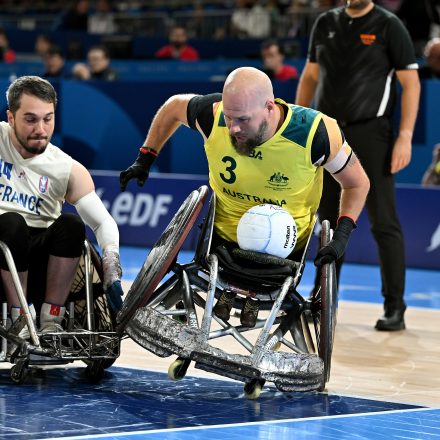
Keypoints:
(14, 232)
(67, 235)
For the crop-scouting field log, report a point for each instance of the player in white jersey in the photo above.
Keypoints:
(36, 178)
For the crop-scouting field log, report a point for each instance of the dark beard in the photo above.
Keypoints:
(250, 145)
(31, 150)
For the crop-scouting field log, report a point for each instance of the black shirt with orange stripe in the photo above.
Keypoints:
(358, 58)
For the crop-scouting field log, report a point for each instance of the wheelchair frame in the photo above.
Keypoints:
(154, 320)
(98, 349)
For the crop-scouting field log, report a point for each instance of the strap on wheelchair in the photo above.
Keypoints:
(254, 264)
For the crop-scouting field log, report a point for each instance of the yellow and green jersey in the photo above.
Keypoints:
(279, 171)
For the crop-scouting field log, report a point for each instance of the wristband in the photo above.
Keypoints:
(342, 216)
(148, 150)
(146, 157)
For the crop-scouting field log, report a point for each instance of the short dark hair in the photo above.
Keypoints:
(54, 50)
(30, 85)
(102, 48)
(271, 42)
(44, 37)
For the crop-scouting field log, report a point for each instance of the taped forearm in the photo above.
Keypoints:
(94, 214)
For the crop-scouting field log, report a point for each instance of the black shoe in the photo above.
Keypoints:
(224, 305)
(392, 320)
(249, 312)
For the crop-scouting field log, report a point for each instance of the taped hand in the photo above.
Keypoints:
(112, 279)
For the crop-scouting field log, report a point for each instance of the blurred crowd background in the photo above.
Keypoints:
(133, 54)
(201, 19)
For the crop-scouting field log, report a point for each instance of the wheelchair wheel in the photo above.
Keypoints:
(324, 308)
(95, 370)
(105, 321)
(252, 389)
(19, 371)
(177, 369)
(161, 257)
(104, 317)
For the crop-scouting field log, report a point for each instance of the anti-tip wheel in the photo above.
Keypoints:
(177, 370)
(94, 372)
(252, 389)
(19, 373)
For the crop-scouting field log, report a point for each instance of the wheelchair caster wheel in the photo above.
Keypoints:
(322, 386)
(252, 389)
(276, 346)
(19, 372)
(177, 370)
(95, 372)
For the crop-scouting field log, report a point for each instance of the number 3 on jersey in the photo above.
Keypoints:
(230, 177)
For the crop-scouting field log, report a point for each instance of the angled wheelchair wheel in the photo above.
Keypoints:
(161, 257)
(324, 308)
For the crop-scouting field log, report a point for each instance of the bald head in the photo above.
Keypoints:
(432, 54)
(249, 108)
(432, 45)
(249, 86)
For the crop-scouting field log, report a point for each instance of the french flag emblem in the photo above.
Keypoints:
(44, 183)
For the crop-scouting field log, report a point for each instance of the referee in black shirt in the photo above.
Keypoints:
(356, 53)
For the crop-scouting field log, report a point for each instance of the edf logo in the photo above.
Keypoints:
(137, 209)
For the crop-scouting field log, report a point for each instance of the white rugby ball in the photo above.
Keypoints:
(269, 229)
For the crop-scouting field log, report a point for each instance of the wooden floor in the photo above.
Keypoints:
(393, 366)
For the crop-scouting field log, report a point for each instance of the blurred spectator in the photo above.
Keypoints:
(7, 55)
(432, 174)
(97, 67)
(75, 49)
(76, 18)
(54, 63)
(250, 20)
(273, 62)
(431, 70)
(178, 48)
(391, 5)
(102, 21)
(419, 17)
(81, 71)
(42, 44)
(284, 5)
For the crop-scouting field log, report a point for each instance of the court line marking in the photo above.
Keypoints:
(234, 425)
(272, 388)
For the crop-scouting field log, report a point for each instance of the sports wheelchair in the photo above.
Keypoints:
(294, 345)
(89, 327)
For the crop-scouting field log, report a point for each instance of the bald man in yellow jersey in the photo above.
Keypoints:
(262, 150)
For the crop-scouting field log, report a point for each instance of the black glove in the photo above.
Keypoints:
(337, 245)
(140, 168)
